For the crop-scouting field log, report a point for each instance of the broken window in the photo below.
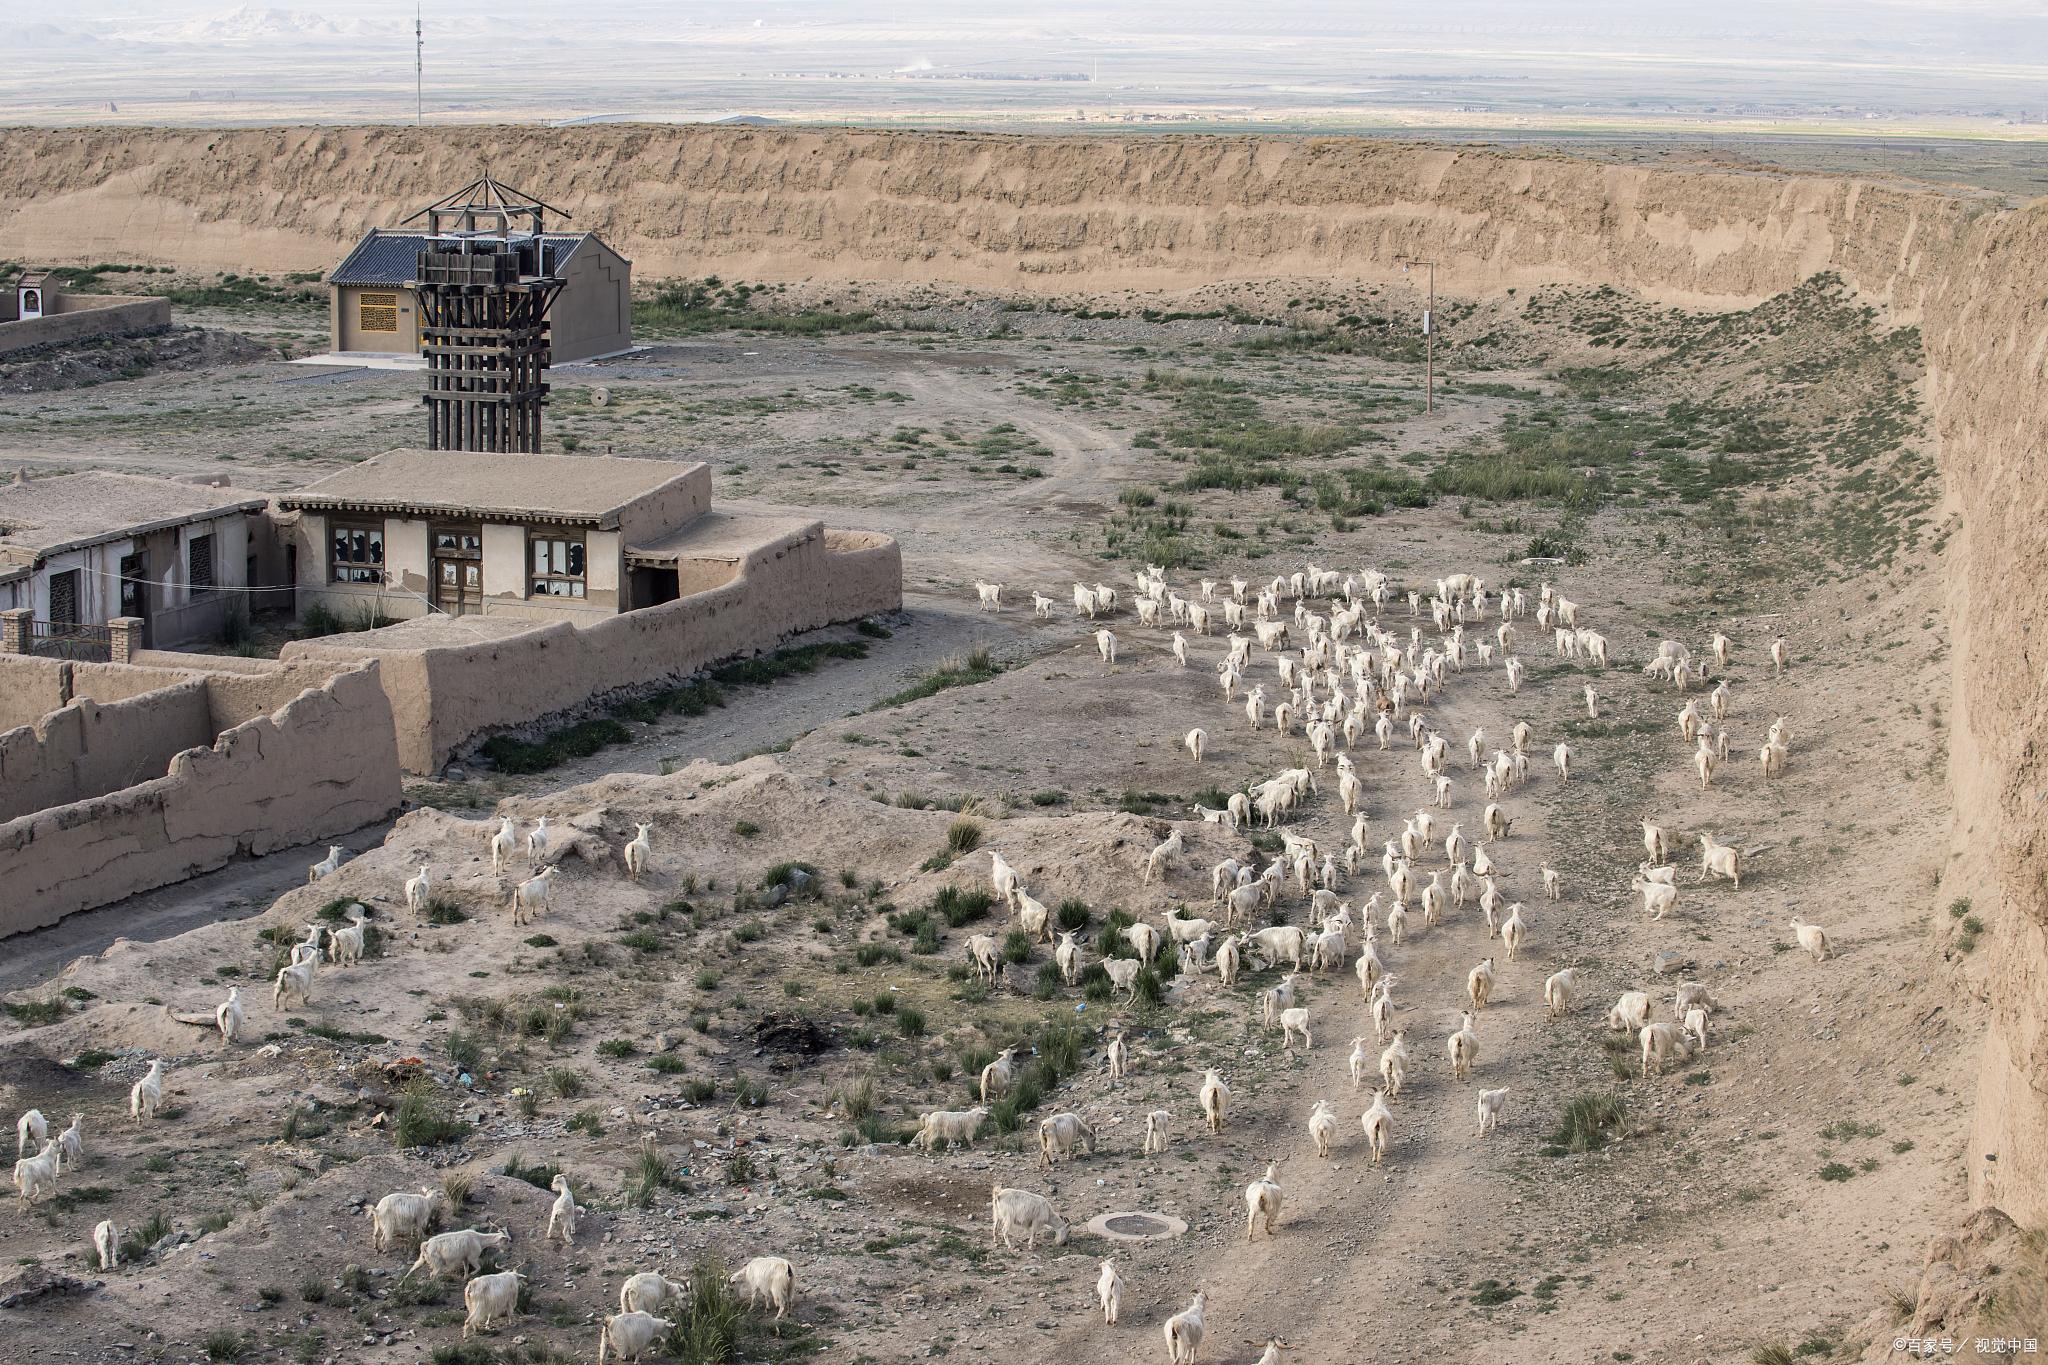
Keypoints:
(558, 563)
(358, 552)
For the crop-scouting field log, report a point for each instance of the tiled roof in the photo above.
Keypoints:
(388, 259)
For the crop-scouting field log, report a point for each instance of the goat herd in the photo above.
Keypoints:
(1349, 675)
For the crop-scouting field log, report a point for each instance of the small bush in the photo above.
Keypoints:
(708, 1331)
(963, 836)
(959, 908)
(616, 1048)
(540, 1177)
(1588, 1122)
(224, 1346)
(910, 1022)
(421, 1120)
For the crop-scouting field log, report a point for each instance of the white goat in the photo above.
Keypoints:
(147, 1094)
(1378, 1122)
(562, 1216)
(1215, 1097)
(1184, 1332)
(1490, 1105)
(1109, 1289)
(769, 1278)
(1261, 1203)
(639, 851)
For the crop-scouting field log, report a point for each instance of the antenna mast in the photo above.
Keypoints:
(419, 65)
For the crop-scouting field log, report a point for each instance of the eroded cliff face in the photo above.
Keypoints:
(1077, 216)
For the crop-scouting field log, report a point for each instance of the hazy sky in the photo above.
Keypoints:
(203, 60)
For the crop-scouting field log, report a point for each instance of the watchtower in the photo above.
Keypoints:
(485, 281)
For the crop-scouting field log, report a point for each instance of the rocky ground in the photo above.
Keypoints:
(725, 1056)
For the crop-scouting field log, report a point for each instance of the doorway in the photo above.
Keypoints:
(458, 569)
(135, 591)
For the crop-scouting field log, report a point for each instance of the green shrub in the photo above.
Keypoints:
(421, 1120)
(1588, 1121)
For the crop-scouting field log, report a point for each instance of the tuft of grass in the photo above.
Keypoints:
(456, 1186)
(963, 836)
(1588, 1122)
(566, 1082)
(978, 667)
(224, 1346)
(35, 1013)
(540, 1177)
(1772, 1353)
(708, 1332)
(421, 1120)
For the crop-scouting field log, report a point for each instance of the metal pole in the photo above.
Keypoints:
(1429, 346)
(419, 65)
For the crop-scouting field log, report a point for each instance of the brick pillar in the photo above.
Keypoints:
(14, 630)
(126, 638)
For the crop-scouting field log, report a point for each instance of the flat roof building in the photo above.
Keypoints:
(461, 532)
(80, 549)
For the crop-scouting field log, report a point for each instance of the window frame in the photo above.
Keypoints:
(577, 584)
(193, 583)
(382, 300)
(336, 564)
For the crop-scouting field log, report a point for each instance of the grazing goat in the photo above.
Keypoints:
(1196, 740)
(1695, 1027)
(1631, 1011)
(1014, 1211)
(949, 1126)
(1155, 1131)
(1490, 1104)
(1261, 1203)
(647, 1291)
(991, 595)
(999, 1075)
(628, 1335)
(537, 842)
(1003, 879)
(1322, 1127)
(489, 1298)
(1164, 855)
(460, 1252)
(403, 1217)
(1105, 645)
(1059, 1135)
(1780, 656)
(771, 1278)
(987, 956)
(1659, 1041)
(1553, 885)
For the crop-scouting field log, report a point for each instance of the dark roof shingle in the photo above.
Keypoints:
(388, 259)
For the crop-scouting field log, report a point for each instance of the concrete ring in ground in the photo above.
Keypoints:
(1136, 1226)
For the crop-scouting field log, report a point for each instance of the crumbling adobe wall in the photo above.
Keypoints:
(86, 749)
(444, 697)
(324, 764)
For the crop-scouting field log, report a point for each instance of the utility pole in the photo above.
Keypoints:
(419, 65)
(1428, 335)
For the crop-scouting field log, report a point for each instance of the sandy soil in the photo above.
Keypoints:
(1705, 1228)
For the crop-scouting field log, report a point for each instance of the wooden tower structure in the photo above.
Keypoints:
(485, 282)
